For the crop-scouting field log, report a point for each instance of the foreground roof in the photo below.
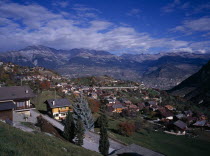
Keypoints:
(7, 105)
(58, 103)
(16, 92)
(134, 149)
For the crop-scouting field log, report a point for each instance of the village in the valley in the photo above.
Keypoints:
(26, 94)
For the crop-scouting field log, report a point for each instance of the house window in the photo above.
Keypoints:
(20, 104)
(63, 114)
(63, 107)
(55, 115)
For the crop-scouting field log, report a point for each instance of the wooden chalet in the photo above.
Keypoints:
(117, 108)
(58, 108)
(180, 127)
(163, 113)
(15, 98)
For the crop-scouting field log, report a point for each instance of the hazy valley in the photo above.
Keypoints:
(162, 71)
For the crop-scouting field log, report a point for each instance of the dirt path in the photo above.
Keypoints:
(91, 139)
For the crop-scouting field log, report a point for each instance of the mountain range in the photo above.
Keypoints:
(162, 70)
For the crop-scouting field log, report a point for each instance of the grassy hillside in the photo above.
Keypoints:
(42, 97)
(199, 79)
(16, 142)
(170, 145)
(196, 88)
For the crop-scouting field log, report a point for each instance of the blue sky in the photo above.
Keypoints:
(118, 26)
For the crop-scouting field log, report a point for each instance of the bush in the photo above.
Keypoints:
(94, 105)
(126, 128)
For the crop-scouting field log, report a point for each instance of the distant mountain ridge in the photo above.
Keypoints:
(155, 70)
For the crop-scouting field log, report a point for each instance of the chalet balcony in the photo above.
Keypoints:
(62, 111)
(25, 107)
(65, 110)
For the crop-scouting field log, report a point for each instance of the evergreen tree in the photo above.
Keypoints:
(69, 128)
(80, 131)
(82, 110)
(104, 140)
(102, 120)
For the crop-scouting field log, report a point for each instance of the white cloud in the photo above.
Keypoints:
(25, 25)
(201, 24)
(171, 6)
(62, 4)
(84, 8)
(200, 45)
(84, 12)
(188, 49)
(201, 8)
(134, 12)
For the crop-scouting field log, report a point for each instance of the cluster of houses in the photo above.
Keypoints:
(7, 66)
(29, 74)
(17, 98)
(112, 103)
(39, 77)
(118, 105)
(188, 120)
(173, 120)
(168, 116)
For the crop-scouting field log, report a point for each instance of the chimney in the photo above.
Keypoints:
(53, 102)
(26, 91)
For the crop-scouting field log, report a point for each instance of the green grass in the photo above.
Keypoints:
(41, 98)
(15, 142)
(169, 145)
(28, 124)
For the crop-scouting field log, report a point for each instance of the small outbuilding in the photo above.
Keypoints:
(180, 127)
